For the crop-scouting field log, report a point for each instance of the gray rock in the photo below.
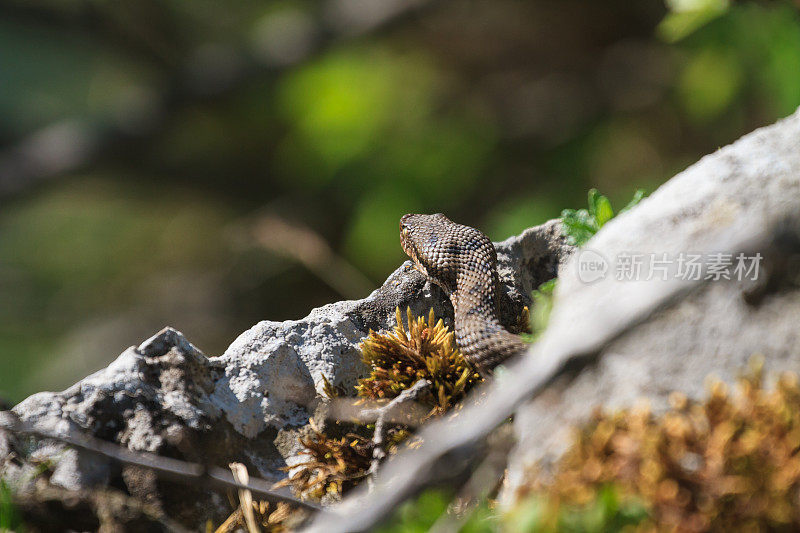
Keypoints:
(273, 372)
(251, 403)
(746, 192)
(147, 399)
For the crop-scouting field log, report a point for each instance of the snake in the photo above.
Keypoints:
(463, 262)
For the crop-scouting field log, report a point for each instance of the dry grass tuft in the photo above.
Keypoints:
(273, 519)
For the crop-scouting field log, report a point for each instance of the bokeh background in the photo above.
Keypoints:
(207, 164)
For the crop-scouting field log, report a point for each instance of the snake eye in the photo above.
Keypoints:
(404, 226)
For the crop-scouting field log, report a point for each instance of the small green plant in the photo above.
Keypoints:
(542, 305)
(580, 225)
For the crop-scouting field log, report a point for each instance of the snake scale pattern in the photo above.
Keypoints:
(463, 262)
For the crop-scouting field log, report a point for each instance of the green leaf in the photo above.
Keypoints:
(687, 16)
(603, 209)
(579, 225)
(599, 208)
(637, 197)
(593, 200)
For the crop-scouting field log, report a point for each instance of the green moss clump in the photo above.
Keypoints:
(333, 465)
(426, 350)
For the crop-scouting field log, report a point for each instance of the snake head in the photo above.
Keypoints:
(431, 245)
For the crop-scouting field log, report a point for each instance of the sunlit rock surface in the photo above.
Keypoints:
(744, 198)
(251, 403)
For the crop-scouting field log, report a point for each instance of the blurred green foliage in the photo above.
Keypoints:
(10, 519)
(365, 121)
(543, 299)
(418, 515)
(686, 16)
(193, 119)
(607, 513)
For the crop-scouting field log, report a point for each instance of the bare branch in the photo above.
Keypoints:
(390, 410)
(165, 467)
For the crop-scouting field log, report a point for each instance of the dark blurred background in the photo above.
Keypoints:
(207, 165)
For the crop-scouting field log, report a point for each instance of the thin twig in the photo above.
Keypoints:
(390, 410)
(165, 467)
(306, 246)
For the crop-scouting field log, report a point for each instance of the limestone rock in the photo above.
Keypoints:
(149, 397)
(251, 403)
(748, 192)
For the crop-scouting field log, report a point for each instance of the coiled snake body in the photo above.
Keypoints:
(463, 262)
